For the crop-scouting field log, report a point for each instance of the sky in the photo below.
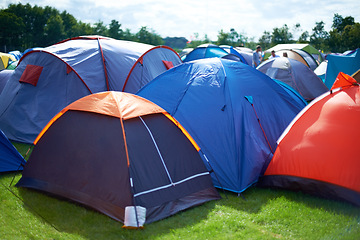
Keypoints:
(191, 18)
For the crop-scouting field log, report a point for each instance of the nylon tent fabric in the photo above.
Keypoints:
(219, 102)
(299, 55)
(48, 79)
(10, 159)
(347, 64)
(205, 51)
(316, 153)
(112, 150)
(6, 59)
(296, 75)
(4, 78)
(244, 57)
(317, 55)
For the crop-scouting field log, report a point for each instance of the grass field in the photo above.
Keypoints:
(261, 214)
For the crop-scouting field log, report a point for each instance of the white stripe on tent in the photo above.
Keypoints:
(162, 160)
(170, 185)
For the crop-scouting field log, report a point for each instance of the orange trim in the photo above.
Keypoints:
(49, 124)
(183, 130)
(125, 144)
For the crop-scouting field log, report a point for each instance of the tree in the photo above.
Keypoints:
(115, 30)
(145, 36)
(304, 37)
(265, 40)
(281, 35)
(100, 29)
(12, 28)
(54, 30)
(70, 23)
(319, 36)
(223, 38)
(339, 23)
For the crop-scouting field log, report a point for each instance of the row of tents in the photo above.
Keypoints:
(106, 114)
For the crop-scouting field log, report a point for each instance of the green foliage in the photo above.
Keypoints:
(26, 26)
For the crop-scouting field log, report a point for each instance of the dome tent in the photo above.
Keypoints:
(296, 75)
(234, 112)
(113, 150)
(48, 79)
(316, 152)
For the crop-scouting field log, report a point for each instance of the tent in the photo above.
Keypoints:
(114, 150)
(5, 60)
(320, 71)
(10, 158)
(205, 51)
(234, 112)
(316, 153)
(245, 57)
(296, 75)
(316, 54)
(48, 79)
(347, 64)
(299, 55)
(4, 78)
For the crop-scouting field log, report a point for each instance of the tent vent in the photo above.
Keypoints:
(31, 74)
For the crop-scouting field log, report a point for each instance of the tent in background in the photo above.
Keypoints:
(347, 64)
(316, 54)
(48, 79)
(114, 150)
(245, 57)
(205, 51)
(296, 75)
(320, 71)
(5, 60)
(4, 78)
(317, 152)
(233, 111)
(10, 158)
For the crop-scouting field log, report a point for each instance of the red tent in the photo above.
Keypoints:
(317, 153)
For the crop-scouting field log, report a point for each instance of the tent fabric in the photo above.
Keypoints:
(111, 150)
(4, 78)
(317, 55)
(234, 112)
(6, 59)
(347, 64)
(205, 51)
(73, 69)
(10, 158)
(296, 75)
(301, 56)
(316, 153)
(245, 57)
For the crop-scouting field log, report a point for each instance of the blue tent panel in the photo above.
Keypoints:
(234, 112)
(10, 158)
(348, 64)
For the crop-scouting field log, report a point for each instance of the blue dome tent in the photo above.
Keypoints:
(234, 112)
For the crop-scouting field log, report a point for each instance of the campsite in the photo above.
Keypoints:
(106, 134)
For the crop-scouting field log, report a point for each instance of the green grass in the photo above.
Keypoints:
(263, 214)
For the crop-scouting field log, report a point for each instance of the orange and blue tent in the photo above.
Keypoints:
(113, 150)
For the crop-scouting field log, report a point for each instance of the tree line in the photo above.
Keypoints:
(26, 26)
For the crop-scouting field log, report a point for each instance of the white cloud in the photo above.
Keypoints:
(184, 18)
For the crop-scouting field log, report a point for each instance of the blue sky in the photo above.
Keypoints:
(185, 18)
